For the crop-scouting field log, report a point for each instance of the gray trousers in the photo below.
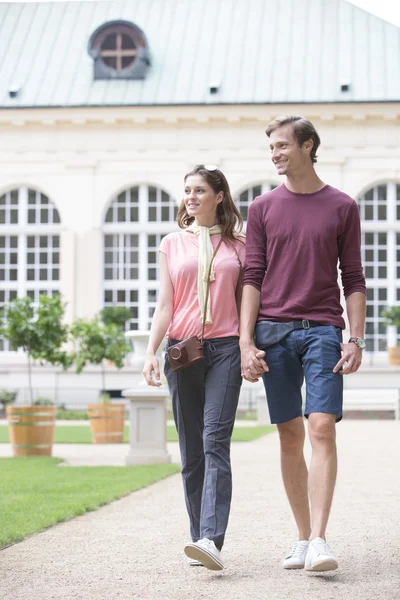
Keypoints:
(204, 401)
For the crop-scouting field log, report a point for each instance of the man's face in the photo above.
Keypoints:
(288, 158)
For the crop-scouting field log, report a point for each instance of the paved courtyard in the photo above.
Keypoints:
(133, 548)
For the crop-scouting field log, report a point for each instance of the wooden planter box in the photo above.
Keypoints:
(107, 423)
(394, 356)
(31, 429)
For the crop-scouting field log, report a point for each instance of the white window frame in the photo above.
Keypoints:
(142, 228)
(22, 230)
(266, 186)
(391, 227)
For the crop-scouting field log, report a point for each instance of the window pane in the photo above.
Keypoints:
(110, 61)
(369, 272)
(382, 212)
(127, 42)
(369, 213)
(126, 61)
(369, 255)
(382, 192)
(152, 214)
(382, 255)
(382, 294)
(369, 239)
(110, 42)
(382, 272)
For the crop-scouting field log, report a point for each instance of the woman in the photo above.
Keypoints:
(204, 395)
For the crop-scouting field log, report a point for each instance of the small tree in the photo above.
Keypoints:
(118, 315)
(39, 331)
(391, 316)
(96, 342)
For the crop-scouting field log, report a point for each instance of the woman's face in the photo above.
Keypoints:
(201, 201)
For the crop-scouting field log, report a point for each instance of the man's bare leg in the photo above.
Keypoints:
(294, 473)
(323, 469)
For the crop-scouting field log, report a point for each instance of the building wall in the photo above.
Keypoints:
(82, 158)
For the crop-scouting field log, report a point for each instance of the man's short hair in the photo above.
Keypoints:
(303, 130)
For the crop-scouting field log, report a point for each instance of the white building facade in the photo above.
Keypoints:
(90, 180)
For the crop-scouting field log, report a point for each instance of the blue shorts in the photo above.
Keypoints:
(304, 353)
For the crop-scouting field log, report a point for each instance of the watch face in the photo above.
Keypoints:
(361, 343)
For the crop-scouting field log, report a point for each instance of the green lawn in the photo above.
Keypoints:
(36, 494)
(80, 434)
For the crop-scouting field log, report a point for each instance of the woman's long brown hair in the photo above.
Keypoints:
(228, 215)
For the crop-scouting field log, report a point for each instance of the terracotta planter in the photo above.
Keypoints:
(107, 423)
(31, 429)
(394, 356)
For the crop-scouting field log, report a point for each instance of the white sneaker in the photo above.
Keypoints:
(297, 556)
(206, 552)
(319, 556)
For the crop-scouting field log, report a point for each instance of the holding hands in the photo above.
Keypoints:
(253, 362)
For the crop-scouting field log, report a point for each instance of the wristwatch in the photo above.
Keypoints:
(359, 341)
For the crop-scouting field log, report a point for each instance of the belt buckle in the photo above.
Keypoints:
(305, 323)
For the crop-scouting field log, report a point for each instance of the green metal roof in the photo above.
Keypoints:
(253, 51)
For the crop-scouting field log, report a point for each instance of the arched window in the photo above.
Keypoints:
(380, 223)
(245, 198)
(29, 246)
(135, 222)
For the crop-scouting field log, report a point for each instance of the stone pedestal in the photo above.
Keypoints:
(148, 425)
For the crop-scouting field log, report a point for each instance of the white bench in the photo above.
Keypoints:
(367, 399)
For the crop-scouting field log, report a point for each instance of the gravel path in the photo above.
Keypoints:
(133, 547)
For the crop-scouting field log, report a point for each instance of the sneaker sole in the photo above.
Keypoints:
(322, 565)
(204, 557)
(293, 566)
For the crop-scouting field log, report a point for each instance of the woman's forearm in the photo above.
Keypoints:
(161, 319)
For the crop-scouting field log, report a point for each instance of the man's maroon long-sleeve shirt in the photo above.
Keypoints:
(293, 245)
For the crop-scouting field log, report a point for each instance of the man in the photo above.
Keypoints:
(296, 235)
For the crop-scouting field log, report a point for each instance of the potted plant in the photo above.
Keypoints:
(40, 332)
(95, 343)
(392, 319)
(7, 397)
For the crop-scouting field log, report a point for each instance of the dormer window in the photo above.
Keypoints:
(120, 51)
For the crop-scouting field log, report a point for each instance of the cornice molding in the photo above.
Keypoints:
(234, 115)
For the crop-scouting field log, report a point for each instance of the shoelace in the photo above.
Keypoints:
(298, 550)
(321, 547)
(208, 543)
